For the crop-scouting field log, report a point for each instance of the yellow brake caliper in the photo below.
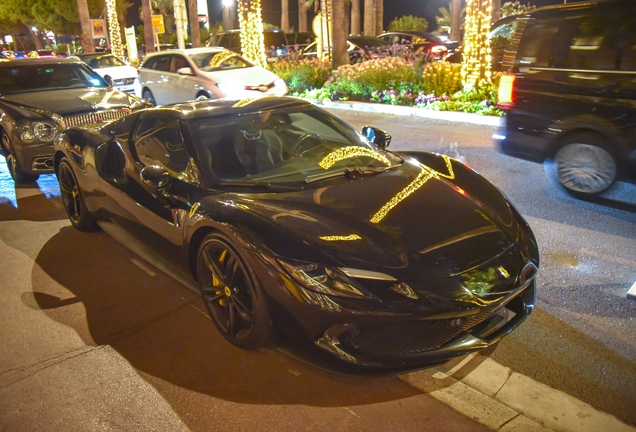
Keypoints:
(215, 281)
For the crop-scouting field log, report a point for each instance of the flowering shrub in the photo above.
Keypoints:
(359, 81)
(302, 74)
(442, 78)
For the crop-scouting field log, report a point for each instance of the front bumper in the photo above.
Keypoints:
(35, 158)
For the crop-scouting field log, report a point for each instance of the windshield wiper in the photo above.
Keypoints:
(260, 185)
(350, 173)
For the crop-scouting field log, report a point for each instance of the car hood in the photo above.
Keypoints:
(73, 101)
(412, 223)
(118, 72)
(252, 76)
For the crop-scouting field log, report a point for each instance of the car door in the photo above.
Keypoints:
(159, 82)
(182, 87)
(154, 217)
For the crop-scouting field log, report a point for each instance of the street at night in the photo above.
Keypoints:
(96, 337)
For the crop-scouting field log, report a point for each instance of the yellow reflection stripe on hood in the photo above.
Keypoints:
(219, 58)
(424, 176)
(341, 238)
(349, 152)
(243, 102)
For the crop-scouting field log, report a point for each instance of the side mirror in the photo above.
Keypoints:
(185, 71)
(377, 136)
(109, 80)
(155, 177)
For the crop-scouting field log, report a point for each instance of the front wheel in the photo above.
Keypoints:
(583, 166)
(232, 294)
(73, 200)
(17, 173)
(147, 94)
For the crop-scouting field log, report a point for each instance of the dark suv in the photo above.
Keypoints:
(571, 94)
(276, 44)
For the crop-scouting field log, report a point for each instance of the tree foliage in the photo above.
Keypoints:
(443, 20)
(59, 16)
(408, 23)
(515, 8)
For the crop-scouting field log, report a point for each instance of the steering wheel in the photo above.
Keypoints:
(304, 140)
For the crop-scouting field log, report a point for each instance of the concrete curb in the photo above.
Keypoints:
(411, 111)
(507, 401)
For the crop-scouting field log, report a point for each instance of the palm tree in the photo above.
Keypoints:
(355, 17)
(369, 17)
(284, 17)
(379, 17)
(455, 23)
(340, 56)
(85, 23)
(496, 10)
(195, 34)
(122, 7)
(149, 38)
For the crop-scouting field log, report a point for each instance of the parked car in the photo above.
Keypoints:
(360, 48)
(299, 40)
(45, 53)
(41, 97)
(422, 42)
(276, 43)
(180, 75)
(105, 64)
(570, 100)
(301, 231)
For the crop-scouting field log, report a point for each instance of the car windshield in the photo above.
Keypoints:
(284, 146)
(223, 60)
(103, 61)
(18, 78)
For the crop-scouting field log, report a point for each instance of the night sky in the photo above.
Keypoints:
(392, 9)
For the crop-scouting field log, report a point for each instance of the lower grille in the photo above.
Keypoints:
(407, 337)
(94, 117)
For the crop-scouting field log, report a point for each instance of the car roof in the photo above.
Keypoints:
(41, 61)
(187, 51)
(426, 35)
(221, 107)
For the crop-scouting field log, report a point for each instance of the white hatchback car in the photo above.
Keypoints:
(123, 75)
(197, 73)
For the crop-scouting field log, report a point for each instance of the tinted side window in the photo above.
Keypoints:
(150, 63)
(223, 40)
(535, 48)
(235, 41)
(163, 63)
(177, 63)
(158, 141)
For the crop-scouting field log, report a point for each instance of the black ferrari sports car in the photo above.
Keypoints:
(41, 97)
(305, 234)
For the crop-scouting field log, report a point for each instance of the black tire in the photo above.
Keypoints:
(147, 94)
(584, 166)
(232, 294)
(202, 96)
(73, 200)
(17, 173)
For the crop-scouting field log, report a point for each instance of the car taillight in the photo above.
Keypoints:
(506, 94)
(437, 50)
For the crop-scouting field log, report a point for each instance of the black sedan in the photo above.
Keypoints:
(360, 48)
(303, 233)
(427, 43)
(41, 97)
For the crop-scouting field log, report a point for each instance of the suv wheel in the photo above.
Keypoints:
(583, 166)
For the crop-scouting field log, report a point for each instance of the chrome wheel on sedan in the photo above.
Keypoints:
(74, 204)
(584, 168)
(232, 294)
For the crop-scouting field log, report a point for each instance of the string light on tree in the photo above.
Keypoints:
(251, 31)
(477, 54)
(114, 32)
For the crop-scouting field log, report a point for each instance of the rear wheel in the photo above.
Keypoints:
(147, 94)
(232, 294)
(17, 173)
(584, 166)
(73, 200)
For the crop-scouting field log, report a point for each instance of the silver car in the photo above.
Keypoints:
(200, 73)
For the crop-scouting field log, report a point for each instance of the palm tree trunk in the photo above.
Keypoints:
(456, 14)
(227, 23)
(86, 37)
(496, 10)
(339, 41)
(195, 32)
(302, 15)
(379, 17)
(149, 38)
(284, 16)
(347, 12)
(355, 17)
(369, 17)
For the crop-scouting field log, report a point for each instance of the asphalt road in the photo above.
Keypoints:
(582, 337)
(94, 338)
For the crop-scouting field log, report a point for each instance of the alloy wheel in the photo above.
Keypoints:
(227, 291)
(585, 168)
(70, 192)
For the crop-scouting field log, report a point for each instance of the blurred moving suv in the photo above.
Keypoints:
(571, 94)
(203, 73)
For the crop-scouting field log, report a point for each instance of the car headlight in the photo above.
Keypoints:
(231, 88)
(44, 131)
(323, 280)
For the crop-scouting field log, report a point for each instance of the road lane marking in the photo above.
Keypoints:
(143, 267)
